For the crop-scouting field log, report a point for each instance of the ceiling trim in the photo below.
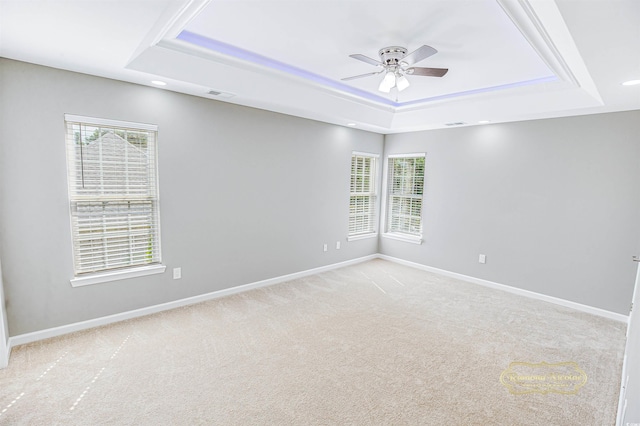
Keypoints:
(227, 50)
(542, 24)
(172, 21)
(567, 86)
(203, 52)
(456, 95)
(172, 35)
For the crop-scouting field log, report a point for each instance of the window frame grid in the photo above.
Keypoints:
(134, 204)
(394, 231)
(367, 197)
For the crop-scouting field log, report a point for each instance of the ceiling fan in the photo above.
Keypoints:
(396, 65)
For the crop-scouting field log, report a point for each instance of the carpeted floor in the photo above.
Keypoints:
(375, 343)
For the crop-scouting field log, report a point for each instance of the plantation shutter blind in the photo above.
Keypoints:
(362, 199)
(113, 192)
(405, 190)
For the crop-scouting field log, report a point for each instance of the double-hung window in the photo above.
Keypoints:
(113, 194)
(405, 187)
(362, 199)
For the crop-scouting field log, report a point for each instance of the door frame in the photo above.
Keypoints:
(633, 326)
(4, 328)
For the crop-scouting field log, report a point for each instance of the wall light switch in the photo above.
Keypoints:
(177, 273)
(482, 258)
(325, 248)
(337, 245)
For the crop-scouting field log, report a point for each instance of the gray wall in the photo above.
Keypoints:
(245, 194)
(248, 195)
(553, 204)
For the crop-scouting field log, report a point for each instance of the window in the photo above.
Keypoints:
(113, 194)
(362, 201)
(405, 185)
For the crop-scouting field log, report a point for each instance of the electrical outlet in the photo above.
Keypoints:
(177, 273)
(325, 248)
(482, 258)
(337, 245)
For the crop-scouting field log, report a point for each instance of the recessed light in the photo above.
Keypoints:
(484, 122)
(351, 124)
(159, 83)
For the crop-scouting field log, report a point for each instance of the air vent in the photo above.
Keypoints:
(219, 94)
(456, 123)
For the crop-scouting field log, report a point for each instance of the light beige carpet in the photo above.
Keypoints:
(375, 343)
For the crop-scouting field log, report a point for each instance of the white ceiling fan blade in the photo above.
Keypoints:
(419, 54)
(366, 59)
(361, 75)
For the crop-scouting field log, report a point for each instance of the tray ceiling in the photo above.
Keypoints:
(508, 60)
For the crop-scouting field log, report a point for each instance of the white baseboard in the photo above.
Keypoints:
(84, 325)
(96, 322)
(531, 294)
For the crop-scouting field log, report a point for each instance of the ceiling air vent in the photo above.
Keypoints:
(220, 94)
(456, 123)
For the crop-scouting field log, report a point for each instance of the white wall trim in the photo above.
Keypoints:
(413, 239)
(119, 274)
(5, 348)
(362, 236)
(5, 352)
(107, 122)
(531, 294)
(97, 322)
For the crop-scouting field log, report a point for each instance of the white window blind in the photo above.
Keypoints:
(362, 200)
(113, 192)
(404, 198)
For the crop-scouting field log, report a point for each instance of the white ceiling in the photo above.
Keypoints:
(508, 60)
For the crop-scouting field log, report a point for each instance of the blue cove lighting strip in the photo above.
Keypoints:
(547, 79)
(246, 55)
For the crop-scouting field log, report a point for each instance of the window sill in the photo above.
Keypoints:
(362, 236)
(103, 277)
(414, 239)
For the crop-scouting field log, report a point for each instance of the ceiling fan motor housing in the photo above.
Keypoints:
(392, 55)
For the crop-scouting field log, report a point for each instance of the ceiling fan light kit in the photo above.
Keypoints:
(401, 82)
(396, 64)
(388, 82)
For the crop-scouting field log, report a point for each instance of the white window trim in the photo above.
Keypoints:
(364, 154)
(109, 123)
(403, 237)
(115, 275)
(376, 185)
(413, 239)
(362, 236)
(412, 155)
(125, 273)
